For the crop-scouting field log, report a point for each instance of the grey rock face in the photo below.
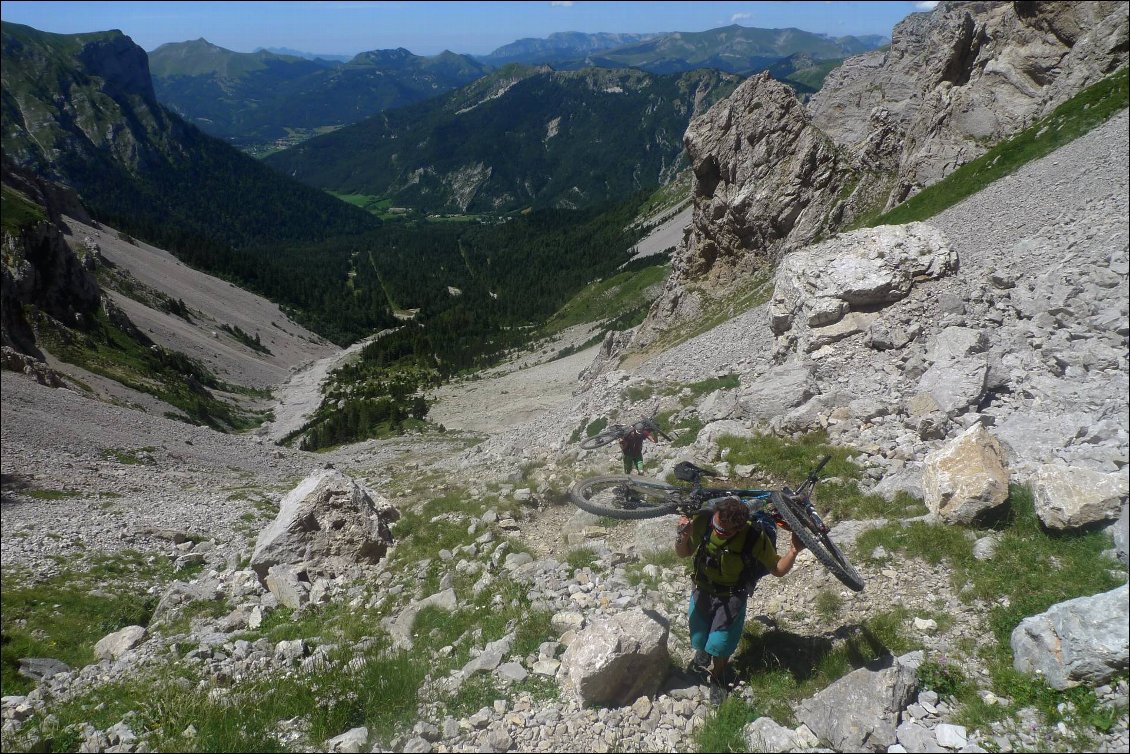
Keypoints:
(113, 646)
(616, 660)
(967, 477)
(817, 288)
(1084, 640)
(1067, 497)
(765, 181)
(960, 78)
(327, 522)
(778, 391)
(765, 734)
(859, 712)
(1118, 532)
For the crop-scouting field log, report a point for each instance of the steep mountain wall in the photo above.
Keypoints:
(771, 176)
(960, 78)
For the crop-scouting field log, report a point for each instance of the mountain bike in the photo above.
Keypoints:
(628, 497)
(616, 431)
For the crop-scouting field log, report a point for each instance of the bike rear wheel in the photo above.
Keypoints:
(615, 432)
(822, 546)
(622, 496)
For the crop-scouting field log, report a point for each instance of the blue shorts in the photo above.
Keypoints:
(716, 622)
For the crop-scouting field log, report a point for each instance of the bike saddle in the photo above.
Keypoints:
(687, 472)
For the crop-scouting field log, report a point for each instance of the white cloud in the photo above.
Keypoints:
(926, 5)
(562, 3)
(740, 17)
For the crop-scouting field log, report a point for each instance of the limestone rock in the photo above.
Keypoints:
(329, 523)
(817, 289)
(765, 734)
(1084, 640)
(966, 477)
(960, 78)
(766, 181)
(112, 646)
(859, 712)
(616, 660)
(1067, 497)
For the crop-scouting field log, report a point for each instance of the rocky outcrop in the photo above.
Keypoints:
(959, 78)
(329, 524)
(966, 478)
(766, 182)
(860, 711)
(115, 645)
(1067, 498)
(829, 291)
(1084, 640)
(616, 660)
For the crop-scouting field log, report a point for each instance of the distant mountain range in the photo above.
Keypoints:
(300, 54)
(257, 98)
(520, 137)
(735, 49)
(267, 100)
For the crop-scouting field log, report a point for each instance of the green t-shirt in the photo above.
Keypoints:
(728, 553)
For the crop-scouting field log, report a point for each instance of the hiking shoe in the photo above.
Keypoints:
(702, 659)
(727, 681)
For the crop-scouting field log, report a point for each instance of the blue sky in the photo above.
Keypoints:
(427, 28)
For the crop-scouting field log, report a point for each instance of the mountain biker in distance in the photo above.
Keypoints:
(727, 566)
(631, 446)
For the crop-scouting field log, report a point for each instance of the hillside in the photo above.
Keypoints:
(261, 101)
(960, 376)
(519, 137)
(220, 489)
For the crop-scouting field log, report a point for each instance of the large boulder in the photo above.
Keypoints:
(829, 291)
(112, 646)
(1084, 640)
(860, 711)
(616, 660)
(959, 374)
(966, 478)
(1067, 497)
(329, 524)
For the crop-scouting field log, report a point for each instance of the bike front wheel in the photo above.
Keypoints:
(615, 432)
(623, 496)
(822, 546)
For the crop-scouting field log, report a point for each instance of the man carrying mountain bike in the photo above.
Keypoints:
(631, 445)
(731, 552)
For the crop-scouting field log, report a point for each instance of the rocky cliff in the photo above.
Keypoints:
(771, 176)
(960, 78)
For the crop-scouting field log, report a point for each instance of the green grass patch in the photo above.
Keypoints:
(1031, 570)
(1075, 117)
(607, 300)
(65, 615)
(130, 457)
(52, 494)
(381, 695)
(107, 347)
(828, 604)
(723, 729)
(582, 557)
(781, 461)
(18, 212)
